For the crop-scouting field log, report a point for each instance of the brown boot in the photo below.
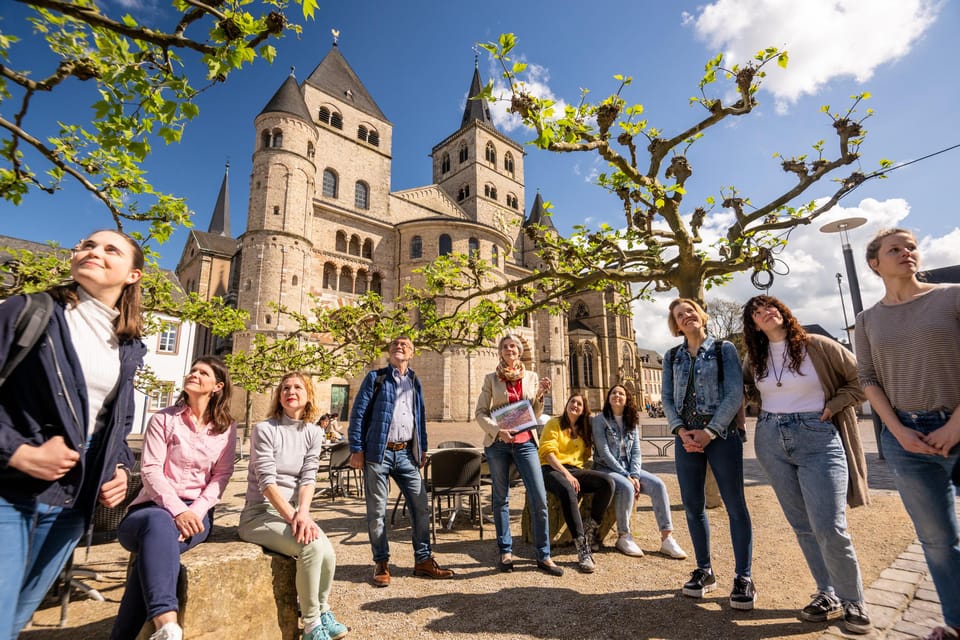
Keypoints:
(430, 569)
(381, 574)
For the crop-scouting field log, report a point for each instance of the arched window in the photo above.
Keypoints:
(373, 138)
(581, 311)
(367, 251)
(495, 255)
(490, 153)
(474, 247)
(329, 276)
(446, 245)
(354, 249)
(574, 368)
(625, 325)
(445, 163)
(463, 152)
(361, 195)
(376, 284)
(329, 183)
(268, 319)
(463, 193)
(277, 139)
(588, 357)
(336, 120)
(294, 280)
(341, 245)
(416, 247)
(508, 162)
(310, 150)
(361, 286)
(490, 191)
(512, 201)
(627, 361)
(346, 280)
(324, 115)
(362, 133)
(265, 138)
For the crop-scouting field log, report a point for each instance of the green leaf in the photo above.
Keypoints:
(782, 60)
(519, 67)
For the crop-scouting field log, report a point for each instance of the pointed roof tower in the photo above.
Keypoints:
(220, 221)
(476, 109)
(335, 77)
(288, 99)
(538, 215)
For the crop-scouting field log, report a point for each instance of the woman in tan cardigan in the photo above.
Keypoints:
(508, 384)
(806, 386)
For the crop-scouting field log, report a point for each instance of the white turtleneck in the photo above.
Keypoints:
(95, 341)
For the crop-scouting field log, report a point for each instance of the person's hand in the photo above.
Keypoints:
(572, 479)
(911, 440)
(826, 415)
(188, 524)
(636, 486)
(944, 439)
(356, 460)
(505, 436)
(304, 529)
(689, 440)
(113, 491)
(543, 387)
(50, 461)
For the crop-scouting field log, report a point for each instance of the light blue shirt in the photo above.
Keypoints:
(401, 427)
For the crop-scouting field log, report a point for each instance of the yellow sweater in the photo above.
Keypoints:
(569, 451)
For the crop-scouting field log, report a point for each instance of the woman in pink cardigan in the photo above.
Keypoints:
(188, 455)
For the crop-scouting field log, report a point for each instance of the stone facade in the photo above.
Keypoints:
(322, 220)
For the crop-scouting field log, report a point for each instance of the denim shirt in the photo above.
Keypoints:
(606, 447)
(722, 405)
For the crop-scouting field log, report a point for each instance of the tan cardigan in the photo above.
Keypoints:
(837, 369)
(493, 395)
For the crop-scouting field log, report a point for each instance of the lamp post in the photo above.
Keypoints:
(846, 323)
(842, 226)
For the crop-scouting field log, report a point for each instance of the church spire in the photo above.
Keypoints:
(538, 215)
(220, 221)
(476, 109)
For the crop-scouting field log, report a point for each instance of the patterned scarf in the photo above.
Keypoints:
(508, 373)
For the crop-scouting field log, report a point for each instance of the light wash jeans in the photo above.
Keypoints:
(500, 456)
(37, 542)
(807, 467)
(400, 466)
(623, 500)
(316, 562)
(927, 491)
(725, 456)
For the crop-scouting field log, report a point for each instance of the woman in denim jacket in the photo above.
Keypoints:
(701, 413)
(616, 441)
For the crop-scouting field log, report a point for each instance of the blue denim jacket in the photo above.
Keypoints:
(722, 405)
(606, 447)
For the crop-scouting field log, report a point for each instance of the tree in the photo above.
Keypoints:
(726, 321)
(143, 89)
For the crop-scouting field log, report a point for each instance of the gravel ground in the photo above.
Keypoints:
(632, 598)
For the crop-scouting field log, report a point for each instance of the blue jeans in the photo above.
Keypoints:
(400, 466)
(725, 456)
(807, 467)
(930, 499)
(623, 499)
(500, 456)
(149, 531)
(37, 542)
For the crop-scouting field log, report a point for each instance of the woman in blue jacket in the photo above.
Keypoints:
(65, 412)
(702, 390)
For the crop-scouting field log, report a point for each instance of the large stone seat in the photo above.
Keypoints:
(559, 533)
(234, 589)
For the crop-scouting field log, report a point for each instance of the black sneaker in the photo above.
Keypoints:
(855, 618)
(743, 594)
(823, 607)
(701, 581)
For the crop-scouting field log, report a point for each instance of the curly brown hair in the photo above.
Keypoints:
(758, 345)
(581, 428)
(631, 415)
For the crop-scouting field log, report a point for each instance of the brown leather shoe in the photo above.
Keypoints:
(430, 569)
(381, 574)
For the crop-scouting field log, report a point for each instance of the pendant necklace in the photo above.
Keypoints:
(783, 365)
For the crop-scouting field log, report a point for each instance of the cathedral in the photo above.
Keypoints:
(322, 221)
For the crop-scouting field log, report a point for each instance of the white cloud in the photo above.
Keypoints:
(826, 39)
(536, 82)
(813, 259)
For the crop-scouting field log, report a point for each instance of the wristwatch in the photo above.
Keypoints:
(711, 433)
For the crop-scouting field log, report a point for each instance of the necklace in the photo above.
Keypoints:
(783, 365)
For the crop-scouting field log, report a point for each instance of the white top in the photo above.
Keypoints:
(796, 393)
(95, 341)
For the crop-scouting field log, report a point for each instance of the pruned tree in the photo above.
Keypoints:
(726, 321)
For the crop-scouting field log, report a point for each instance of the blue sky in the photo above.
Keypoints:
(416, 59)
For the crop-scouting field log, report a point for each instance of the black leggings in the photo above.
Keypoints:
(596, 482)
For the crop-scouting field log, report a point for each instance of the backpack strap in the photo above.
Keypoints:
(30, 325)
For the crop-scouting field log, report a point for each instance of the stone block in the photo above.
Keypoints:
(559, 534)
(235, 589)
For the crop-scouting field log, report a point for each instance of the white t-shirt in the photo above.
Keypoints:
(796, 393)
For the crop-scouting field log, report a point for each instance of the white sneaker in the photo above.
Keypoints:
(670, 548)
(169, 631)
(628, 547)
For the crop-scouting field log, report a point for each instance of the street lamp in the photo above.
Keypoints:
(842, 226)
(846, 323)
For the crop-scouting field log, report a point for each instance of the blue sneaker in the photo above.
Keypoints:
(319, 632)
(335, 630)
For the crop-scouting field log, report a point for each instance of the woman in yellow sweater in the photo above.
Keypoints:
(565, 447)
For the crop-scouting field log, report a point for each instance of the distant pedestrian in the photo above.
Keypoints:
(388, 440)
(702, 393)
(806, 386)
(908, 350)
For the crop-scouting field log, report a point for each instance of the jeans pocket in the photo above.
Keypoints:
(818, 426)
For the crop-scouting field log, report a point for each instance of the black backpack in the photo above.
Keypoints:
(31, 324)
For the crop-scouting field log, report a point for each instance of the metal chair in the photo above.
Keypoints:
(454, 473)
(455, 444)
(340, 473)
